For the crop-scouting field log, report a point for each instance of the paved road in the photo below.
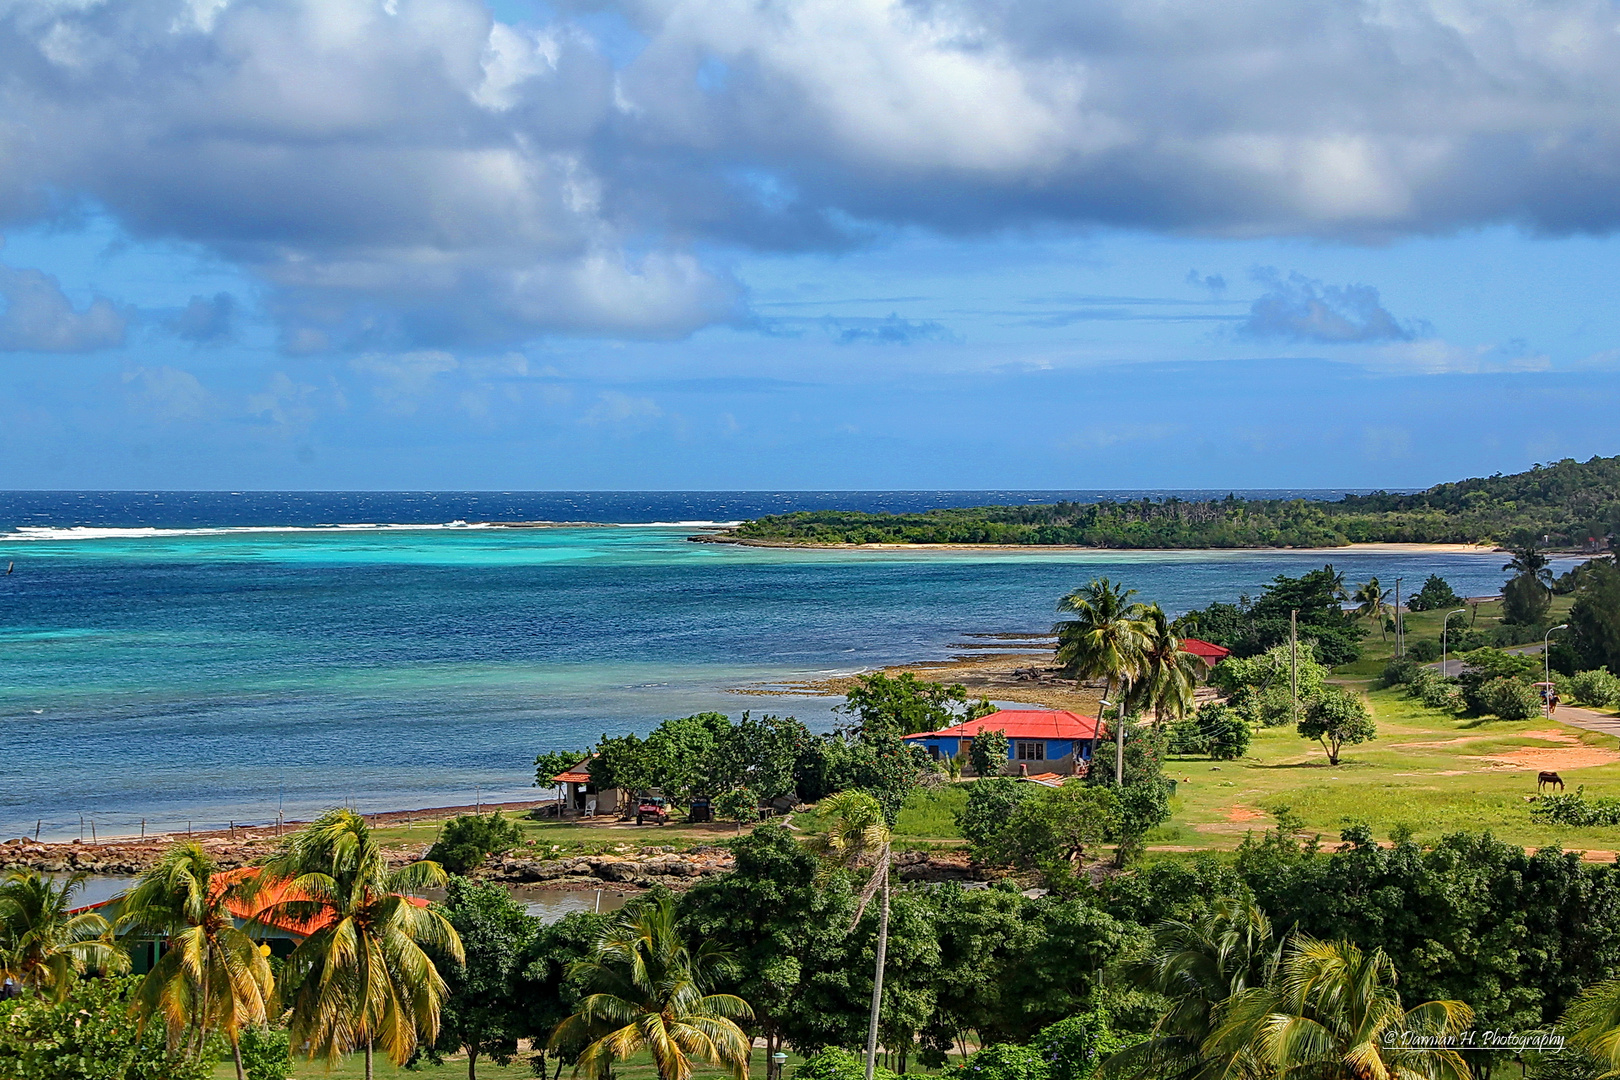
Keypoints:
(1589, 719)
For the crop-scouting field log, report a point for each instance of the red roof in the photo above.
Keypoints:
(1023, 724)
(1211, 654)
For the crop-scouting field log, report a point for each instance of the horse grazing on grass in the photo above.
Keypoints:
(1548, 779)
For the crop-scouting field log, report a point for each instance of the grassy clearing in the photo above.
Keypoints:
(1427, 771)
(1426, 625)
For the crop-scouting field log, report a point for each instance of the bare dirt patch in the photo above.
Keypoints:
(1243, 813)
(1570, 753)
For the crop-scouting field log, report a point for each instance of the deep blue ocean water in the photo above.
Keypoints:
(210, 657)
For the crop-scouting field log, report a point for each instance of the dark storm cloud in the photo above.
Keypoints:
(412, 172)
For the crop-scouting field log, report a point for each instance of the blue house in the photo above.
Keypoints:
(1038, 740)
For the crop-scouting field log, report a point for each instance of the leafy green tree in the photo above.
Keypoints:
(1216, 730)
(1525, 600)
(1106, 639)
(903, 705)
(364, 976)
(44, 946)
(740, 805)
(683, 757)
(836, 1063)
(652, 995)
(991, 802)
(87, 1034)
(1482, 666)
(1253, 626)
(1594, 618)
(1336, 719)
(1332, 1011)
(988, 753)
(1260, 687)
(623, 762)
(546, 988)
(482, 1016)
(1597, 688)
(1073, 1048)
(1142, 807)
(766, 753)
(788, 930)
(1052, 830)
(211, 978)
(555, 763)
(1435, 595)
(467, 840)
(1007, 1061)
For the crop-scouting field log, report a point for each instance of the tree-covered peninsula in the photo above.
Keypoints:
(1566, 504)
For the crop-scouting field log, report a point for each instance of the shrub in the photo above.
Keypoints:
(1510, 699)
(1424, 651)
(466, 841)
(1005, 1061)
(1186, 738)
(836, 1063)
(1399, 672)
(1436, 691)
(988, 752)
(89, 1035)
(266, 1054)
(1576, 810)
(991, 801)
(1597, 687)
(1073, 1048)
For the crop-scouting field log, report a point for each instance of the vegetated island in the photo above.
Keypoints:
(1568, 504)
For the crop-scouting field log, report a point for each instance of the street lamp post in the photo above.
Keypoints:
(1444, 630)
(1546, 662)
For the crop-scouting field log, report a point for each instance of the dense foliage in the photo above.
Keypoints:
(1573, 503)
(1253, 625)
(467, 840)
(1576, 809)
(88, 1035)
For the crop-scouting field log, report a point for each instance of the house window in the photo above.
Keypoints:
(1030, 751)
(933, 752)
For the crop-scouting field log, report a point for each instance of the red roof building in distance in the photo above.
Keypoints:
(1210, 654)
(1038, 740)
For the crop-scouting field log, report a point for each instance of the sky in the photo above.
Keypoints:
(824, 244)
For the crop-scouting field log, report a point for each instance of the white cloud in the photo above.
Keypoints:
(169, 394)
(38, 317)
(424, 176)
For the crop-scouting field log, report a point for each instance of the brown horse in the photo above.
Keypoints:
(1548, 779)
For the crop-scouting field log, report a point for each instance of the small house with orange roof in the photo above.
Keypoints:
(1038, 740)
(581, 795)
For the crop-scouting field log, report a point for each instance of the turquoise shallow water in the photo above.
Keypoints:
(214, 675)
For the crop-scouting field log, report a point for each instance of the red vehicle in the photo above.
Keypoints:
(652, 808)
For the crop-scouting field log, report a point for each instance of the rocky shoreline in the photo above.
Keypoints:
(681, 870)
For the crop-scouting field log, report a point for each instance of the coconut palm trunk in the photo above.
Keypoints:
(877, 978)
(236, 1056)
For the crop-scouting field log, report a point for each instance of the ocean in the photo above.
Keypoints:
(208, 657)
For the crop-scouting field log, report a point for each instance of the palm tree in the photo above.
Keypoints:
(857, 836)
(1106, 639)
(652, 991)
(1529, 561)
(1169, 672)
(1332, 1013)
(212, 976)
(1593, 1023)
(363, 975)
(44, 946)
(1199, 966)
(1370, 604)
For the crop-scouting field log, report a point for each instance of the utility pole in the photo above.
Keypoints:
(1293, 665)
(1399, 651)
